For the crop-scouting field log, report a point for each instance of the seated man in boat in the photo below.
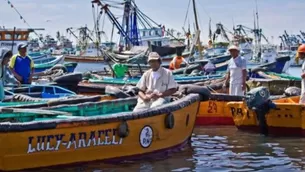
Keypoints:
(21, 65)
(155, 85)
(237, 73)
(301, 55)
(177, 61)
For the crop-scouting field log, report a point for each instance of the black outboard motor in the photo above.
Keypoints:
(258, 99)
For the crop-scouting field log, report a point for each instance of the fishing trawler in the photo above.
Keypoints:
(11, 37)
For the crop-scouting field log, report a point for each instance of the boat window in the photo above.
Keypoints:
(143, 34)
(18, 36)
(156, 32)
(7, 36)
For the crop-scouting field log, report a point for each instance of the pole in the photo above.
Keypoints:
(111, 38)
(14, 32)
(197, 28)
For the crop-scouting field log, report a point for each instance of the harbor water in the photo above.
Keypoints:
(215, 148)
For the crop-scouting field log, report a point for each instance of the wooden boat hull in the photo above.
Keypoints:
(67, 141)
(286, 120)
(69, 65)
(215, 110)
(86, 59)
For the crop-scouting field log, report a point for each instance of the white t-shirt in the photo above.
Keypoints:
(236, 67)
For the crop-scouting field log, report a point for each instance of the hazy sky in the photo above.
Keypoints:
(275, 15)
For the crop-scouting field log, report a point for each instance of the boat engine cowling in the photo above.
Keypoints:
(257, 97)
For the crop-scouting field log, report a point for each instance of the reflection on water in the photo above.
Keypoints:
(226, 149)
(218, 148)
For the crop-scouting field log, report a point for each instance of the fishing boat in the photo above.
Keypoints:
(80, 132)
(284, 119)
(133, 81)
(42, 91)
(52, 60)
(70, 66)
(11, 37)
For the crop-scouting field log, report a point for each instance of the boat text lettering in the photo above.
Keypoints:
(7, 44)
(212, 108)
(73, 140)
(238, 111)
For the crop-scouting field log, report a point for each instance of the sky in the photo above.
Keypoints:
(275, 16)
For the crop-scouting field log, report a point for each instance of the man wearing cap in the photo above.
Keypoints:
(237, 72)
(21, 65)
(156, 84)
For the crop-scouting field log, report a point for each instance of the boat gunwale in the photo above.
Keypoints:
(96, 120)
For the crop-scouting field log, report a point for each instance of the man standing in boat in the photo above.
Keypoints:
(21, 65)
(177, 61)
(237, 72)
(156, 85)
(301, 55)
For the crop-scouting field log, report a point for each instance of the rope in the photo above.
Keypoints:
(187, 11)
(22, 18)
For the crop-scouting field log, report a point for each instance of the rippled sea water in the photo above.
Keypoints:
(215, 148)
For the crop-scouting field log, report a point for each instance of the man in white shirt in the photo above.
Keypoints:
(237, 72)
(156, 85)
(301, 55)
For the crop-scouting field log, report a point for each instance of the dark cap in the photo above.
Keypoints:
(22, 45)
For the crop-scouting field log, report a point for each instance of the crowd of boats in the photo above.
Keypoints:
(66, 117)
(64, 114)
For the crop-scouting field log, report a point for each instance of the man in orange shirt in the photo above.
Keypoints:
(177, 61)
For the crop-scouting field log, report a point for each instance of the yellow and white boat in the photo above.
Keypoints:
(286, 119)
(105, 130)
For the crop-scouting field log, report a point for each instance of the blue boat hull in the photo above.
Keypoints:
(70, 67)
(276, 67)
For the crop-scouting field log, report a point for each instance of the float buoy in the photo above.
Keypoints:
(123, 130)
(169, 121)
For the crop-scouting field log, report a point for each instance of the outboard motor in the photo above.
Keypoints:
(258, 99)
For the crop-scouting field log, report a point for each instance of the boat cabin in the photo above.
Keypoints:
(155, 36)
(10, 38)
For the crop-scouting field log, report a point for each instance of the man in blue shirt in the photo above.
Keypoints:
(22, 66)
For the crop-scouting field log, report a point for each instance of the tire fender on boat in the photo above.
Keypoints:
(203, 91)
(169, 121)
(116, 92)
(123, 129)
(292, 91)
(59, 66)
(71, 78)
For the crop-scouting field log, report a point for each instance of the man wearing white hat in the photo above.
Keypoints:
(156, 84)
(237, 72)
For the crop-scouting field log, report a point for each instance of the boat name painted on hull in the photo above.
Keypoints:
(7, 44)
(238, 111)
(73, 140)
(212, 108)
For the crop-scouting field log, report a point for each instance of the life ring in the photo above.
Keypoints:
(123, 130)
(169, 121)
